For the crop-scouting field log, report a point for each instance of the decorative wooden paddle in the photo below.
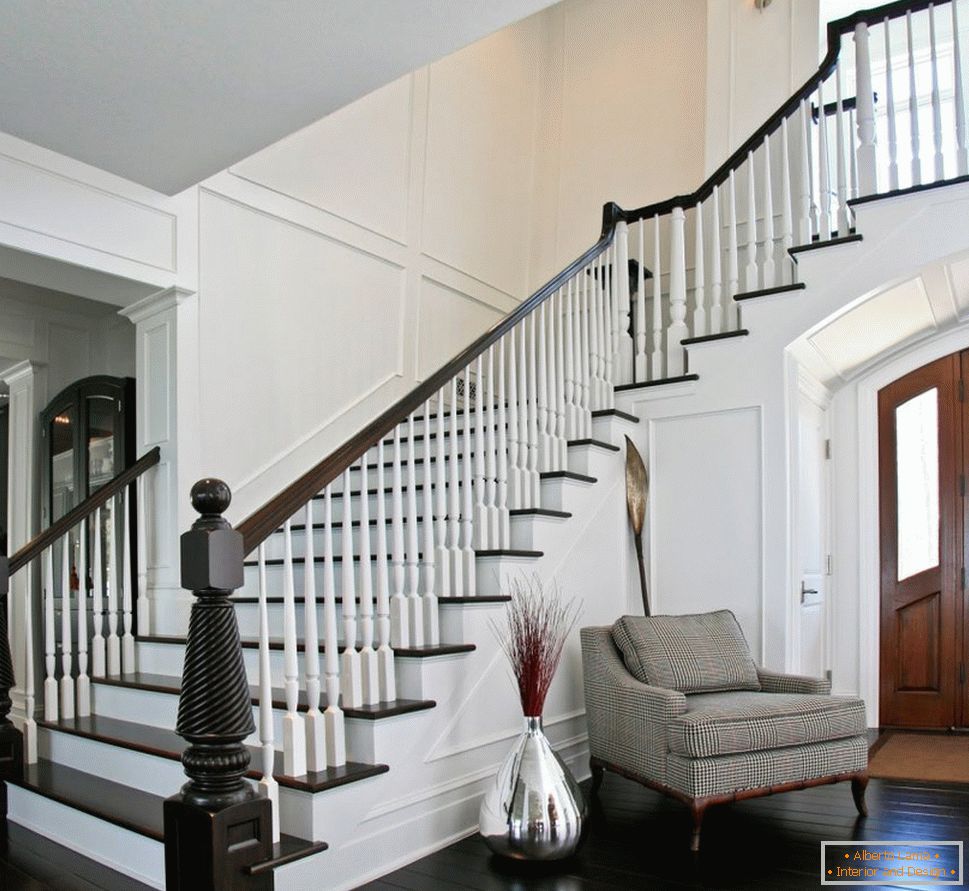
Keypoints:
(637, 491)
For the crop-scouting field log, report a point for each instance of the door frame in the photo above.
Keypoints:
(869, 544)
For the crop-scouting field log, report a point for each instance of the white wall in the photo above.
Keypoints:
(755, 61)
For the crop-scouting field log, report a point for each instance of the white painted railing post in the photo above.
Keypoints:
(336, 744)
(913, 105)
(98, 654)
(29, 726)
(111, 583)
(585, 355)
(622, 345)
(67, 668)
(656, 359)
(454, 497)
(641, 370)
(824, 170)
(699, 275)
(805, 185)
(715, 322)
(467, 516)
(369, 674)
(571, 384)
(544, 438)
(351, 680)
(142, 606)
(750, 268)
(442, 555)
(865, 105)
(399, 629)
(839, 128)
(476, 453)
(959, 97)
(501, 487)
(428, 606)
(553, 383)
(890, 108)
(787, 208)
(83, 680)
(415, 618)
(675, 354)
(127, 639)
(769, 271)
(51, 703)
(385, 655)
(529, 355)
(268, 786)
(516, 473)
(491, 453)
(315, 727)
(294, 728)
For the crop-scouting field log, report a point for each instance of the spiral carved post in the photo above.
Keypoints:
(11, 739)
(216, 826)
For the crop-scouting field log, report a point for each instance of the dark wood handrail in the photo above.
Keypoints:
(257, 527)
(835, 32)
(40, 542)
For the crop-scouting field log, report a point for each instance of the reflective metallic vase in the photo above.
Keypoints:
(535, 809)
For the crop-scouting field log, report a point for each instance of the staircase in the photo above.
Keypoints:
(365, 591)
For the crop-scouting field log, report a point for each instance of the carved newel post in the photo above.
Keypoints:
(11, 739)
(216, 826)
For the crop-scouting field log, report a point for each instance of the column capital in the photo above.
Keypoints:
(156, 303)
(21, 372)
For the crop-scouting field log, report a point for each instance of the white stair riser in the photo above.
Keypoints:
(591, 460)
(535, 533)
(120, 849)
(612, 429)
(562, 493)
(493, 573)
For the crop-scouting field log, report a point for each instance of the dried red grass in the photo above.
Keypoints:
(538, 624)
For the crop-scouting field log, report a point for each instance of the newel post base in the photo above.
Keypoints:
(217, 825)
(11, 739)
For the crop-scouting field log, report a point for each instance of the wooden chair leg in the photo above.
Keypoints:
(597, 773)
(859, 783)
(698, 809)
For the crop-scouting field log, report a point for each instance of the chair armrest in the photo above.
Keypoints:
(775, 682)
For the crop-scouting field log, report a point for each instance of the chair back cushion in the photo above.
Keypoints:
(698, 653)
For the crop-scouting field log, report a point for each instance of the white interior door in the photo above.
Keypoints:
(812, 534)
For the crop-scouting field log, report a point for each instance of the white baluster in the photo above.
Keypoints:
(399, 629)
(853, 191)
(787, 209)
(351, 679)
(716, 261)
(533, 454)
(315, 726)
(656, 359)
(865, 104)
(595, 391)
(142, 604)
(294, 728)
(467, 515)
(550, 326)
(585, 356)
(50, 638)
(476, 453)
(605, 329)
(428, 606)
(824, 170)
(609, 338)
(805, 184)
(890, 109)
(959, 98)
(675, 354)
(268, 787)
(561, 435)
(733, 257)
(769, 271)
(442, 555)
(528, 486)
(336, 744)
(98, 661)
(127, 638)
(111, 583)
(491, 453)
(415, 618)
(750, 268)
(936, 100)
(501, 483)
(641, 368)
(67, 668)
(544, 439)
(699, 275)
(839, 137)
(29, 726)
(571, 384)
(913, 105)
(515, 488)
(83, 687)
(369, 673)
(454, 497)
(385, 655)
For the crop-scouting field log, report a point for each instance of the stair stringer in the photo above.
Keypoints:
(756, 375)
(442, 760)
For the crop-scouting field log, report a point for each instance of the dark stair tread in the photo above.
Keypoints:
(910, 190)
(707, 338)
(659, 382)
(483, 598)
(436, 650)
(567, 475)
(598, 443)
(163, 683)
(614, 413)
(816, 245)
(167, 744)
(509, 552)
(766, 292)
(279, 561)
(539, 512)
(288, 849)
(124, 806)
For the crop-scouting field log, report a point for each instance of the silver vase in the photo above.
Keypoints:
(535, 809)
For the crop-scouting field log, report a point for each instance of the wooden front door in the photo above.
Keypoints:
(921, 472)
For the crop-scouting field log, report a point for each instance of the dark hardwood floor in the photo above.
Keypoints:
(640, 839)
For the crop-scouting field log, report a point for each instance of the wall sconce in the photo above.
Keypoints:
(762, 4)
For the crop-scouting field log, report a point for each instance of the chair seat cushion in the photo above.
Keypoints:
(742, 721)
(692, 653)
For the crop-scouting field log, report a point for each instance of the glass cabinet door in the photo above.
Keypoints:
(63, 478)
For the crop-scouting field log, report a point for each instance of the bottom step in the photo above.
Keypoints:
(71, 807)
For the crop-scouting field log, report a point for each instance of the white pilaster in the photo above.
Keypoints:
(165, 342)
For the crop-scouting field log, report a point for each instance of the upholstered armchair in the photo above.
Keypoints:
(676, 703)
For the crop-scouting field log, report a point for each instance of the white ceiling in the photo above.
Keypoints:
(168, 92)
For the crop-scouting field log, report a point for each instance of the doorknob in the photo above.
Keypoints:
(805, 591)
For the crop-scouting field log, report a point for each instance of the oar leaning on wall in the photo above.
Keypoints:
(637, 491)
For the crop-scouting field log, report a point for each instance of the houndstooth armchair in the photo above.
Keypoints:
(677, 704)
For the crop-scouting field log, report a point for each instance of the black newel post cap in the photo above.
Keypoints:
(212, 551)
